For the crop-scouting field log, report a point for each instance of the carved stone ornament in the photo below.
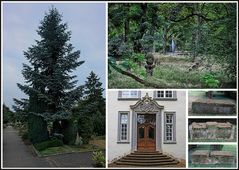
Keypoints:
(146, 105)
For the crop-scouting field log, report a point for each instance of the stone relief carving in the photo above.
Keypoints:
(146, 105)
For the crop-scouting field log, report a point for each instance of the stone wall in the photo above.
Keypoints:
(212, 131)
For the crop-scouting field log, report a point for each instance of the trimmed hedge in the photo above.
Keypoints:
(47, 144)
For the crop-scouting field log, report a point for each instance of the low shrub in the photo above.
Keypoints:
(99, 158)
(47, 144)
(210, 81)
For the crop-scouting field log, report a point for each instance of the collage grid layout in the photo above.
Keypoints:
(162, 99)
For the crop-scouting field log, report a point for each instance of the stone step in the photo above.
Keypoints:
(147, 157)
(146, 153)
(146, 161)
(170, 163)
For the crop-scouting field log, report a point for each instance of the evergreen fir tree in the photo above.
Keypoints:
(94, 102)
(51, 89)
(94, 92)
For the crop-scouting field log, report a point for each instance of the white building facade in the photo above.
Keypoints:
(146, 121)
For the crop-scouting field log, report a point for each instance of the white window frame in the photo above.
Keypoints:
(120, 140)
(164, 94)
(167, 130)
(173, 128)
(129, 95)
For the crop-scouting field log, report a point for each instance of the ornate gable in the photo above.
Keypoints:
(146, 104)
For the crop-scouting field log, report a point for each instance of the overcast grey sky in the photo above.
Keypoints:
(86, 21)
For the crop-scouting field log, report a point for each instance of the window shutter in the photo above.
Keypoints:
(119, 128)
(175, 94)
(155, 94)
(164, 125)
(174, 127)
(120, 94)
(139, 94)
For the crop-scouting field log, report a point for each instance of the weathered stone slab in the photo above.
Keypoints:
(200, 157)
(222, 157)
(211, 130)
(211, 106)
(198, 130)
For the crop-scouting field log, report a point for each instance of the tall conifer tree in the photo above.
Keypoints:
(51, 89)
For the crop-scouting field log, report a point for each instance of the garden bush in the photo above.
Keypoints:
(47, 144)
(85, 128)
(99, 158)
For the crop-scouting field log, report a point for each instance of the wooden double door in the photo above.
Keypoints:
(146, 137)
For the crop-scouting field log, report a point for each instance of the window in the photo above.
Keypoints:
(129, 95)
(123, 131)
(165, 95)
(169, 127)
(168, 94)
(160, 94)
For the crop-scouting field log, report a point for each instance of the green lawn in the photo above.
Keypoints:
(97, 143)
(173, 72)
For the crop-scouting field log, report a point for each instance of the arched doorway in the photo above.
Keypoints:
(146, 125)
(146, 132)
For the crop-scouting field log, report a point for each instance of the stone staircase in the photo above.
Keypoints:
(146, 159)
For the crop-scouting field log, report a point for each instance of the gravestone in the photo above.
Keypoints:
(200, 157)
(198, 130)
(202, 106)
(222, 157)
(212, 131)
(224, 130)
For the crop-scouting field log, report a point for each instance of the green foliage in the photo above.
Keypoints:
(129, 64)
(49, 83)
(138, 57)
(48, 144)
(69, 131)
(37, 129)
(85, 128)
(210, 81)
(91, 108)
(204, 30)
(99, 124)
(8, 115)
(99, 158)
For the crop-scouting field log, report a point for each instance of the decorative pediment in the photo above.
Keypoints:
(146, 104)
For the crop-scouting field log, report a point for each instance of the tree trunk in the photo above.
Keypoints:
(197, 35)
(126, 23)
(142, 28)
(165, 39)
